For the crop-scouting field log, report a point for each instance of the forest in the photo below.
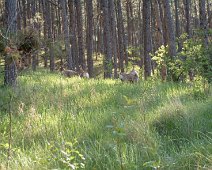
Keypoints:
(106, 84)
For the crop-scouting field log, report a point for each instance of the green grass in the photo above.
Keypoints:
(95, 124)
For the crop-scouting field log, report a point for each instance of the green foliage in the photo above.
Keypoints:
(161, 56)
(66, 154)
(3, 43)
(193, 58)
(197, 58)
(133, 53)
(108, 65)
(58, 48)
(2, 46)
(28, 40)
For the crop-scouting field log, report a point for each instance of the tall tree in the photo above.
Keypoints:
(177, 23)
(203, 21)
(120, 35)
(24, 13)
(73, 33)
(45, 30)
(107, 40)
(147, 37)
(66, 33)
(78, 4)
(11, 24)
(170, 28)
(170, 33)
(112, 12)
(89, 40)
(140, 34)
(129, 23)
(187, 4)
(209, 5)
(159, 30)
(50, 36)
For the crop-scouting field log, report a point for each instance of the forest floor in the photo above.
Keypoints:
(96, 124)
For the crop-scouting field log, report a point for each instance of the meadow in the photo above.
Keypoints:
(52, 122)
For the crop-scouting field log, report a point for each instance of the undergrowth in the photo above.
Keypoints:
(72, 123)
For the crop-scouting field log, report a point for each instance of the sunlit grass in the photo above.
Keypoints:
(116, 125)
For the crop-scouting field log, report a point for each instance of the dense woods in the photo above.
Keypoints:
(106, 84)
(73, 34)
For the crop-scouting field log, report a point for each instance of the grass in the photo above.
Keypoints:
(95, 124)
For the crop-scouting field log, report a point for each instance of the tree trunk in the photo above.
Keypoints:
(107, 40)
(45, 32)
(203, 22)
(50, 36)
(34, 61)
(19, 15)
(170, 29)
(89, 40)
(24, 13)
(187, 4)
(159, 28)
(170, 34)
(163, 19)
(147, 38)
(11, 23)
(140, 35)
(209, 4)
(196, 15)
(112, 11)
(59, 30)
(177, 23)
(73, 38)
(129, 24)
(120, 35)
(80, 33)
(66, 34)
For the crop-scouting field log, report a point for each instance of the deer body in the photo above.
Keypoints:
(130, 77)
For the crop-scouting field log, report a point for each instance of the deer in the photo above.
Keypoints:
(71, 73)
(132, 77)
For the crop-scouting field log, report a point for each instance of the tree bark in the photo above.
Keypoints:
(172, 52)
(45, 32)
(177, 23)
(147, 38)
(73, 38)
(11, 24)
(89, 40)
(159, 28)
(203, 21)
(66, 34)
(170, 29)
(107, 40)
(209, 4)
(187, 4)
(140, 35)
(120, 35)
(50, 36)
(80, 33)
(24, 13)
(112, 11)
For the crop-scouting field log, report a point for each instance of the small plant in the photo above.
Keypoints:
(118, 134)
(197, 59)
(67, 155)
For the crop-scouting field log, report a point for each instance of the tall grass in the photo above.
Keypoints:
(67, 123)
